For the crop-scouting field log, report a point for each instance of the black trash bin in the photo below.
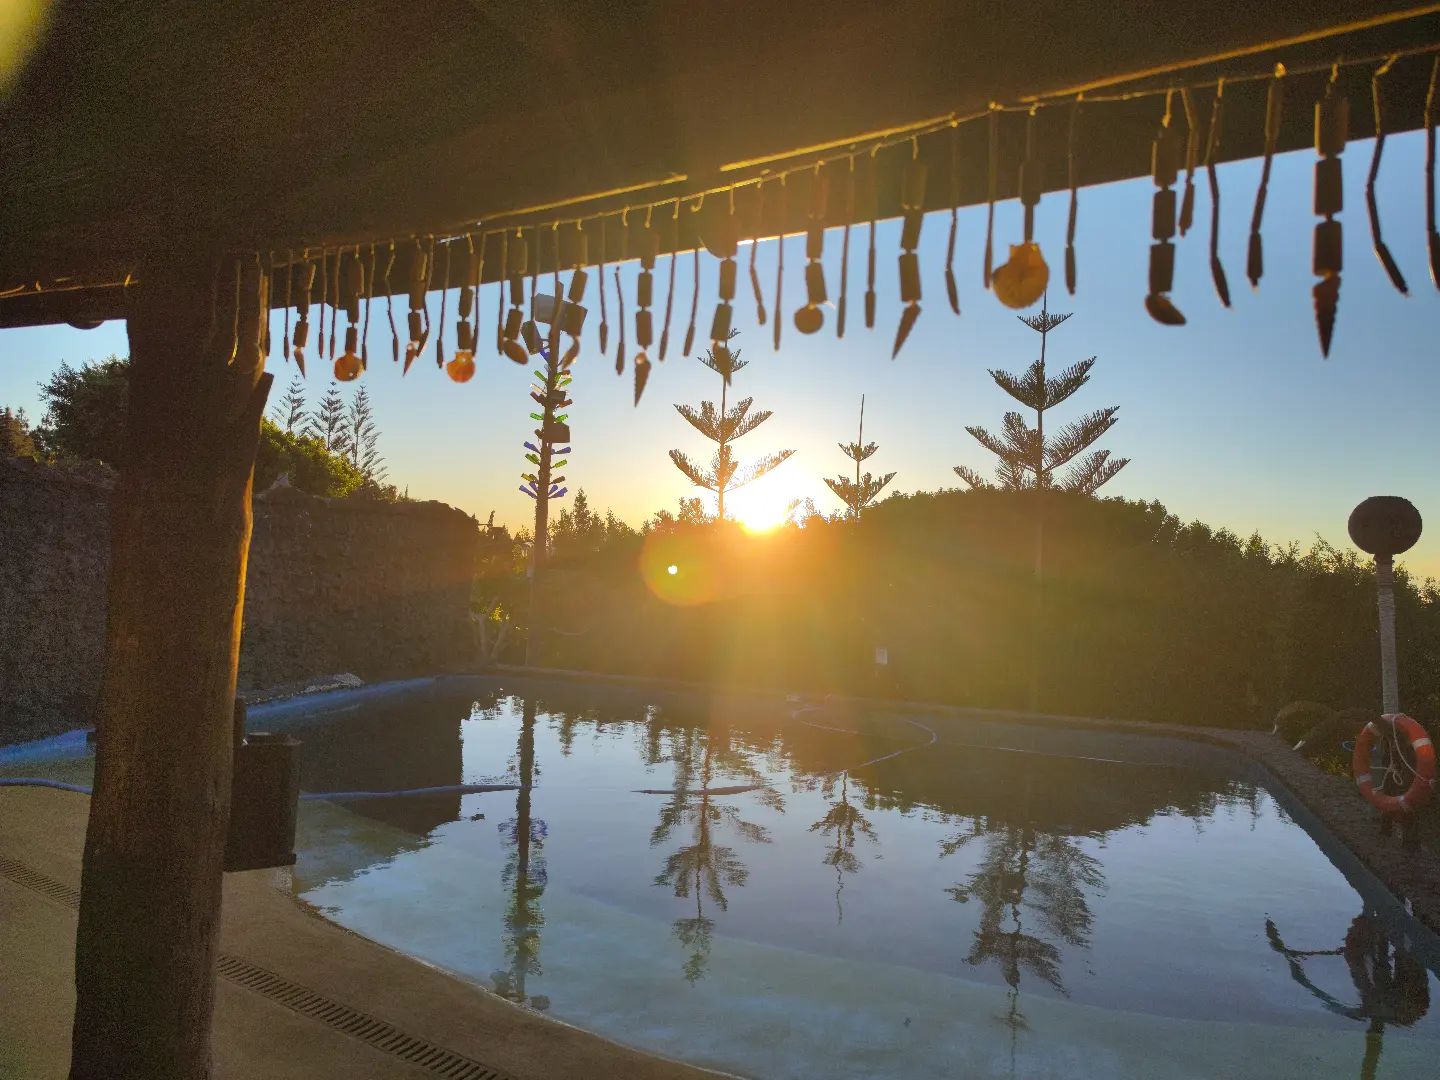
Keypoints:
(264, 795)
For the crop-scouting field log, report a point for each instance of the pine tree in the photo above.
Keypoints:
(15, 437)
(328, 422)
(859, 493)
(362, 438)
(1027, 459)
(289, 411)
(723, 426)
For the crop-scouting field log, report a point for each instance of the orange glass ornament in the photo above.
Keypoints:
(1022, 280)
(461, 367)
(347, 367)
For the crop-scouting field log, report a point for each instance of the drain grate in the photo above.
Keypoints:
(352, 1022)
(368, 1029)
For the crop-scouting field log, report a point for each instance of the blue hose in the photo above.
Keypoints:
(305, 796)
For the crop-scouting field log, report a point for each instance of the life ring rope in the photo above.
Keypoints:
(1423, 785)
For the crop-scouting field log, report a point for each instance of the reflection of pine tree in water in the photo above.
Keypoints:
(1392, 983)
(524, 876)
(1025, 871)
(702, 868)
(844, 824)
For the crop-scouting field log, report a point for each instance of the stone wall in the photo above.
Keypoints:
(378, 589)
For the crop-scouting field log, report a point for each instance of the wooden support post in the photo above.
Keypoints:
(180, 521)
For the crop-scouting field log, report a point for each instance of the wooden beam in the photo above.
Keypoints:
(180, 535)
(1114, 144)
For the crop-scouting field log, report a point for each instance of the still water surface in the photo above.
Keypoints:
(956, 910)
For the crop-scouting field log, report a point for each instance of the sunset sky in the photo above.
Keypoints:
(1234, 419)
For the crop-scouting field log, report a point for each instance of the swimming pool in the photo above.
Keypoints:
(780, 891)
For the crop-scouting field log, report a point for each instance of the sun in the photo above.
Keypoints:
(763, 511)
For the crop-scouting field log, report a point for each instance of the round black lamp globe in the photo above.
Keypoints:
(1385, 525)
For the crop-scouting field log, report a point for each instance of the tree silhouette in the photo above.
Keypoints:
(327, 423)
(722, 426)
(525, 877)
(289, 411)
(1026, 871)
(844, 825)
(863, 490)
(15, 437)
(362, 438)
(702, 869)
(1027, 458)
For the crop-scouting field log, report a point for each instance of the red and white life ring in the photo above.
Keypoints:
(1424, 783)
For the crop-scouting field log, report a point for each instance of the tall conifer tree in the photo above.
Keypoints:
(722, 426)
(1028, 459)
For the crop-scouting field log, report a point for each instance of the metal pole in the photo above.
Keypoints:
(1385, 601)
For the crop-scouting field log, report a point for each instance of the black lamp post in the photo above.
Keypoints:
(1386, 526)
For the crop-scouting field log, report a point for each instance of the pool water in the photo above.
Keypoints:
(744, 886)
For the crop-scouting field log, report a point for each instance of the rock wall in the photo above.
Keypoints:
(378, 589)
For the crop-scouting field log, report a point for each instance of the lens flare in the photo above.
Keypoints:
(661, 558)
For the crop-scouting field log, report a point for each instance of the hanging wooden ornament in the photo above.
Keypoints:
(1024, 277)
(811, 318)
(912, 203)
(302, 312)
(461, 367)
(416, 315)
(1165, 169)
(600, 271)
(444, 297)
(528, 332)
(872, 206)
(674, 239)
(265, 342)
(1192, 159)
(500, 316)
(516, 258)
(1274, 102)
(645, 289)
(1332, 131)
(694, 303)
(335, 298)
(780, 259)
(577, 256)
(992, 182)
(844, 301)
(1212, 149)
(754, 247)
(350, 272)
(1430, 118)
(288, 295)
(1074, 179)
(952, 288)
(620, 303)
(723, 243)
(324, 270)
(1382, 252)
(619, 289)
(557, 314)
(390, 305)
(369, 303)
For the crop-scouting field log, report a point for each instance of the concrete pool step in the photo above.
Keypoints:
(298, 996)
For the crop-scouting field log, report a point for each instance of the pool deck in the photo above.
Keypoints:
(255, 1035)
